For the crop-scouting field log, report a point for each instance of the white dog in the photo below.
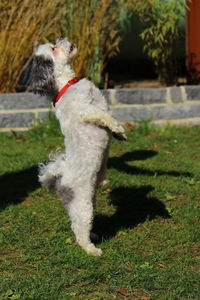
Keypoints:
(87, 128)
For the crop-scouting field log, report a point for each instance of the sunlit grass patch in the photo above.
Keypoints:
(147, 219)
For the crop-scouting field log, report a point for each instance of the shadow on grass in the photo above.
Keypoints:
(14, 187)
(120, 163)
(133, 207)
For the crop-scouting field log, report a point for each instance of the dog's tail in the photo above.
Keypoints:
(50, 172)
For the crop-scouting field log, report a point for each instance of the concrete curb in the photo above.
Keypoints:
(175, 105)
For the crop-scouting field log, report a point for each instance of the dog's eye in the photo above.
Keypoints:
(72, 47)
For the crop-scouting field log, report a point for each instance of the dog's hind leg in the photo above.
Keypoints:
(101, 180)
(78, 203)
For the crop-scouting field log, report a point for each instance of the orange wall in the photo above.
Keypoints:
(193, 41)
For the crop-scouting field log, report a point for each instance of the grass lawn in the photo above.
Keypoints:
(147, 218)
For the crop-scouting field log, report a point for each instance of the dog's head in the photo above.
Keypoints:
(48, 60)
(64, 51)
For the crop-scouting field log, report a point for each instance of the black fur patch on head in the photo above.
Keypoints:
(41, 78)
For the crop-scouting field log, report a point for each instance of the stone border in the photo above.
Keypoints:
(175, 105)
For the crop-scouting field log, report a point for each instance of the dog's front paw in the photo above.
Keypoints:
(120, 136)
(120, 129)
(119, 133)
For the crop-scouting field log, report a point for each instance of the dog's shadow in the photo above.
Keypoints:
(121, 164)
(16, 186)
(133, 206)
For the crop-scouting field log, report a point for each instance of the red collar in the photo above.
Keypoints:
(64, 89)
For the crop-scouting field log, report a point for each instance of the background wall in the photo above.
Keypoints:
(174, 105)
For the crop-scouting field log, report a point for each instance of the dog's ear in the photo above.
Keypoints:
(41, 78)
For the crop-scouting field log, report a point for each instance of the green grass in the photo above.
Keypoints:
(147, 218)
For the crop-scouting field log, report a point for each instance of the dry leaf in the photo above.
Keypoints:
(123, 292)
(129, 126)
(48, 148)
(145, 298)
(161, 266)
(168, 152)
(107, 191)
(155, 147)
(20, 139)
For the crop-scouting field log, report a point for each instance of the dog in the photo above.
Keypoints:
(87, 127)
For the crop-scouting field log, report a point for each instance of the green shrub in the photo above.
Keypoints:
(94, 27)
(161, 20)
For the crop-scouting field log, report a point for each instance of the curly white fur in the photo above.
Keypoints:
(87, 127)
